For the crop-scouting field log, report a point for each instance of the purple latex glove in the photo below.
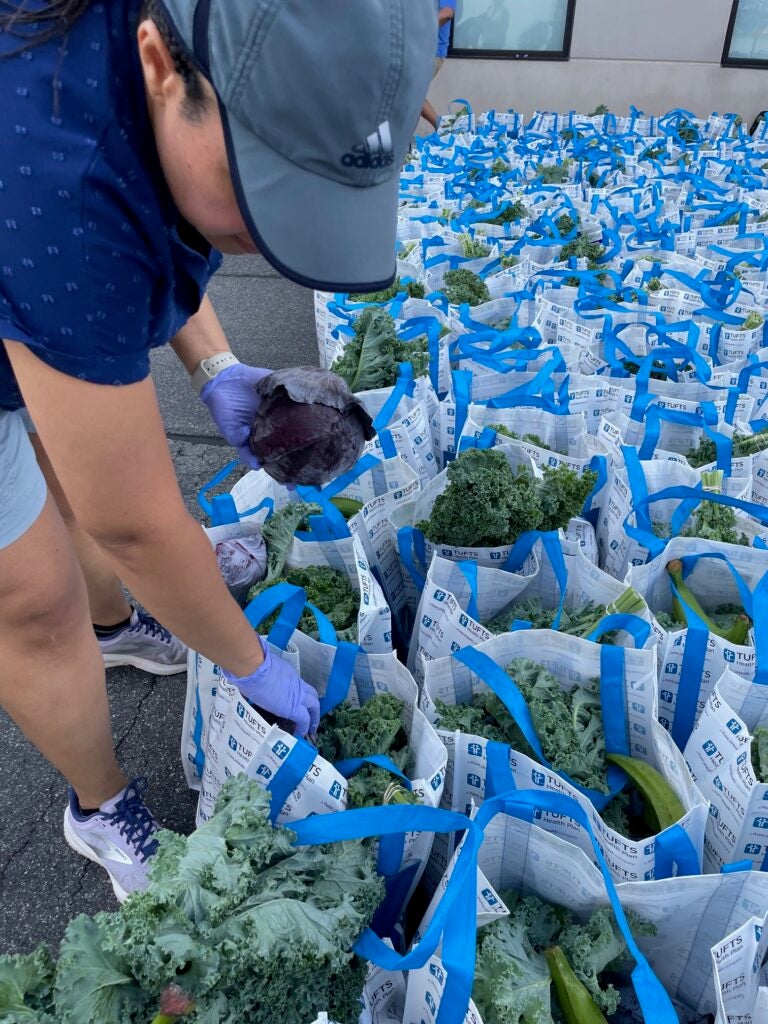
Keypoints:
(276, 687)
(232, 402)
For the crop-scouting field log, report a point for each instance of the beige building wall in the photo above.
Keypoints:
(657, 55)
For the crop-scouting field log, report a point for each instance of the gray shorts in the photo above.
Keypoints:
(22, 485)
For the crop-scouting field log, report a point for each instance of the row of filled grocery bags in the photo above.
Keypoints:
(534, 610)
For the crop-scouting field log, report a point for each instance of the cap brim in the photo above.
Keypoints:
(315, 231)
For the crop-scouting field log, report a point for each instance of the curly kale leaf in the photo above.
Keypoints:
(760, 753)
(278, 533)
(250, 926)
(512, 982)
(327, 588)
(487, 504)
(591, 949)
(413, 290)
(26, 987)
(375, 728)
(554, 174)
(743, 445)
(463, 286)
(372, 356)
(530, 438)
(569, 724)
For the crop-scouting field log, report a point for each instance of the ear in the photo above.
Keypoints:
(160, 76)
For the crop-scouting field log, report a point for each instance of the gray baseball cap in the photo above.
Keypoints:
(319, 100)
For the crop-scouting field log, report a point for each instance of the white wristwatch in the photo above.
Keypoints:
(208, 368)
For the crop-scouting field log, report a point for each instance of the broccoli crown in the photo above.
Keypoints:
(487, 504)
(372, 356)
(464, 286)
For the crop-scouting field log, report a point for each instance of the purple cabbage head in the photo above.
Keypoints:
(309, 427)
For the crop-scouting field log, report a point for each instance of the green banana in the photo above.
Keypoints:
(347, 506)
(736, 633)
(576, 1003)
(662, 804)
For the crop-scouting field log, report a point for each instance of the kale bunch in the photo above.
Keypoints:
(375, 728)
(474, 248)
(372, 356)
(488, 504)
(512, 976)
(569, 724)
(327, 588)
(582, 247)
(236, 920)
(509, 214)
(413, 289)
(760, 753)
(554, 174)
(462, 286)
(506, 432)
(743, 445)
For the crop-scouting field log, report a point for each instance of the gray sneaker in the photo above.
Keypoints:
(120, 837)
(146, 645)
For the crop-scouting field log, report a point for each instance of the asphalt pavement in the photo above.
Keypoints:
(269, 322)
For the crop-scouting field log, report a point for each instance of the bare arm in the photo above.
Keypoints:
(108, 448)
(202, 336)
(445, 14)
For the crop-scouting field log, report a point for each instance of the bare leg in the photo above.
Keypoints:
(429, 113)
(105, 593)
(51, 672)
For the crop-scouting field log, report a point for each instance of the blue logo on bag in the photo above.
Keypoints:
(463, 620)
(614, 545)
(538, 778)
(741, 758)
(336, 790)
(429, 999)
(760, 823)
(455, 647)
(648, 850)
(475, 749)
(729, 655)
(232, 743)
(667, 696)
(264, 771)
(240, 710)
(490, 897)
(496, 556)
(440, 595)
(714, 813)
(474, 781)
(709, 748)
(426, 622)
(437, 781)
(734, 726)
(665, 722)
(437, 972)
(717, 783)
(639, 708)
(671, 668)
(753, 849)
(280, 750)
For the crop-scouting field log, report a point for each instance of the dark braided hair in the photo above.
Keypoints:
(33, 27)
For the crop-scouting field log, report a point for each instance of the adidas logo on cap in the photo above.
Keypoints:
(376, 152)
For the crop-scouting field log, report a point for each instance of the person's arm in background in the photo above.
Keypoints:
(230, 397)
(446, 13)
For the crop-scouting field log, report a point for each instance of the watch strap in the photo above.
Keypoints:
(208, 368)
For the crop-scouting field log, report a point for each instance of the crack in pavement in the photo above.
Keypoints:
(137, 713)
(30, 835)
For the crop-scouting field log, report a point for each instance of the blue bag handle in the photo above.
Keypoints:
(656, 414)
(526, 805)
(459, 901)
(221, 509)
(508, 692)
(293, 601)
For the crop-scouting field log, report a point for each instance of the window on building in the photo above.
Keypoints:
(746, 43)
(513, 29)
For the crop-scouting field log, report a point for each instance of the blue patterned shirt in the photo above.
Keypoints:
(96, 266)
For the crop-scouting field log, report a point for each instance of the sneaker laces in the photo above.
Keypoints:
(135, 819)
(152, 627)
